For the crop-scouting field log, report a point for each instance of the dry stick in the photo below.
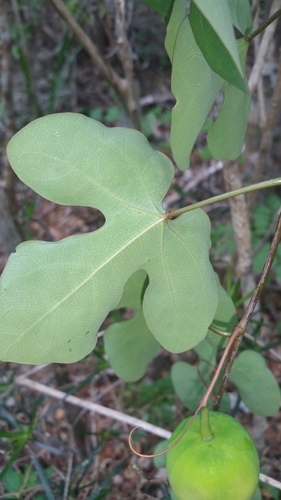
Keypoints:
(267, 134)
(118, 83)
(261, 344)
(107, 71)
(248, 335)
(260, 86)
(68, 476)
(93, 407)
(268, 233)
(264, 46)
(240, 328)
(127, 63)
(268, 263)
(254, 7)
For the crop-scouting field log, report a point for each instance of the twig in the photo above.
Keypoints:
(119, 84)
(93, 407)
(32, 370)
(243, 323)
(106, 70)
(261, 28)
(248, 336)
(269, 480)
(268, 263)
(267, 128)
(254, 7)
(68, 476)
(263, 49)
(125, 56)
(262, 106)
(267, 234)
(261, 344)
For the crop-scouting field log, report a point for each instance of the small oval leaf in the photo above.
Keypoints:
(257, 386)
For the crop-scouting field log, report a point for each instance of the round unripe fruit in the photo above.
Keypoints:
(225, 468)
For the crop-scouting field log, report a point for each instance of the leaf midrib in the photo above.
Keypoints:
(151, 226)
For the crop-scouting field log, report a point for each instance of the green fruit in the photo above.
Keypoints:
(225, 467)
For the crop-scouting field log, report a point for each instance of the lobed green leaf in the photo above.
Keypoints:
(54, 296)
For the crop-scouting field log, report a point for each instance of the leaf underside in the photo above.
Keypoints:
(130, 345)
(213, 31)
(196, 85)
(227, 141)
(54, 296)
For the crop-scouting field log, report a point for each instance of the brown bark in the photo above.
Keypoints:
(241, 226)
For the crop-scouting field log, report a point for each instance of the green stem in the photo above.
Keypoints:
(205, 427)
(225, 196)
(263, 26)
(216, 330)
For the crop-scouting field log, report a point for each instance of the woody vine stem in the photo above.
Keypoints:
(243, 323)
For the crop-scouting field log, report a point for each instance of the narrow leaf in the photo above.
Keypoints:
(195, 87)
(177, 16)
(43, 479)
(225, 140)
(240, 11)
(213, 31)
(163, 7)
(256, 384)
